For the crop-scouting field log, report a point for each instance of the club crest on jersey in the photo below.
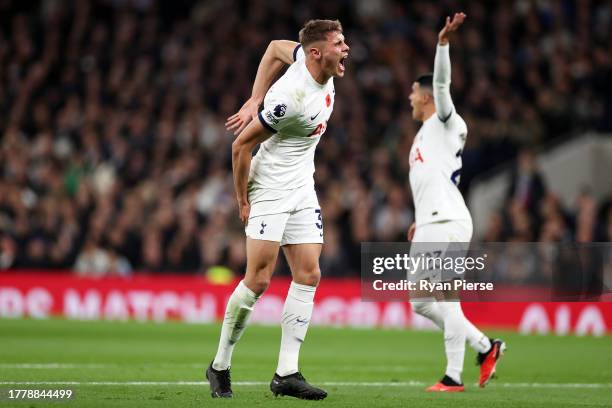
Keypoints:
(279, 110)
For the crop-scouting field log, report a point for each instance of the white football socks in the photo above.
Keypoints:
(454, 338)
(294, 324)
(428, 307)
(475, 338)
(237, 312)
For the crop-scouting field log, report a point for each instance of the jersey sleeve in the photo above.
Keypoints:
(279, 111)
(441, 83)
(298, 53)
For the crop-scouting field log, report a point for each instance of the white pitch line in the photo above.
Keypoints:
(62, 366)
(556, 385)
(72, 366)
(51, 365)
(328, 384)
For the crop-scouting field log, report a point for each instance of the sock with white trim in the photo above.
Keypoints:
(454, 338)
(475, 338)
(237, 312)
(294, 324)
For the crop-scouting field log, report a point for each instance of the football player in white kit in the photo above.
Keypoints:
(441, 216)
(276, 195)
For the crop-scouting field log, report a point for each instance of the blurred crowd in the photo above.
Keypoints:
(534, 213)
(114, 157)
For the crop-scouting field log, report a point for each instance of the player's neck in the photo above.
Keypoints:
(428, 112)
(316, 72)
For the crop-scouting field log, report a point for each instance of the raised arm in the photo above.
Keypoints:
(442, 69)
(278, 53)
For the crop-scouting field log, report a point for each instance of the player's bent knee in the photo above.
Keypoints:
(423, 306)
(258, 284)
(309, 277)
(258, 278)
(419, 307)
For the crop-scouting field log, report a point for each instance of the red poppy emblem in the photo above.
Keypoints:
(328, 100)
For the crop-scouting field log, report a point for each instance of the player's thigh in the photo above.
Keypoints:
(303, 260)
(264, 233)
(261, 260)
(439, 241)
(427, 248)
(302, 242)
(304, 226)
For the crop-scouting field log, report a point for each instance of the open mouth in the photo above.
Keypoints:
(341, 63)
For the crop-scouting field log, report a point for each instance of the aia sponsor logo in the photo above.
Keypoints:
(415, 156)
(319, 130)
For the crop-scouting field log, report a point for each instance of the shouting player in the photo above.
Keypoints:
(276, 197)
(441, 214)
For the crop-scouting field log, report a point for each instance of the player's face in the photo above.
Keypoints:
(416, 101)
(334, 53)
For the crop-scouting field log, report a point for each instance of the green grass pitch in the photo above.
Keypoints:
(162, 365)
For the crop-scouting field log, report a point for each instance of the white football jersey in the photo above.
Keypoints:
(296, 109)
(435, 169)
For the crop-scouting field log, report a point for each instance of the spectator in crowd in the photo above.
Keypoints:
(526, 185)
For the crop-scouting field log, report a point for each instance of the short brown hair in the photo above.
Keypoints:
(316, 30)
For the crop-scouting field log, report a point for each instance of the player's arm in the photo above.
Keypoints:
(411, 231)
(442, 69)
(278, 54)
(242, 149)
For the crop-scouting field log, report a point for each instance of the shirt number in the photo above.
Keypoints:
(456, 175)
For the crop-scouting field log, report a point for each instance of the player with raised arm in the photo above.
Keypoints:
(441, 214)
(276, 197)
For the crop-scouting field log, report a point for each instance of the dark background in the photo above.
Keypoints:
(114, 156)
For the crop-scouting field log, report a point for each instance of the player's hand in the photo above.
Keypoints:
(450, 26)
(244, 209)
(411, 232)
(239, 120)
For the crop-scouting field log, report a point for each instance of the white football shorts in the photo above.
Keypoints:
(440, 240)
(288, 217)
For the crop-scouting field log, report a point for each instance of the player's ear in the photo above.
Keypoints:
(423, 97)
(315, 52)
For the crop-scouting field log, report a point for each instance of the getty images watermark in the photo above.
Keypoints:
(487, 272)
(426, 272)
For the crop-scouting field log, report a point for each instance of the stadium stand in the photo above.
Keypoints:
(114, 157)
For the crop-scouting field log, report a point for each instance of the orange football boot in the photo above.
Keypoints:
(446, 385)
(487, 361)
